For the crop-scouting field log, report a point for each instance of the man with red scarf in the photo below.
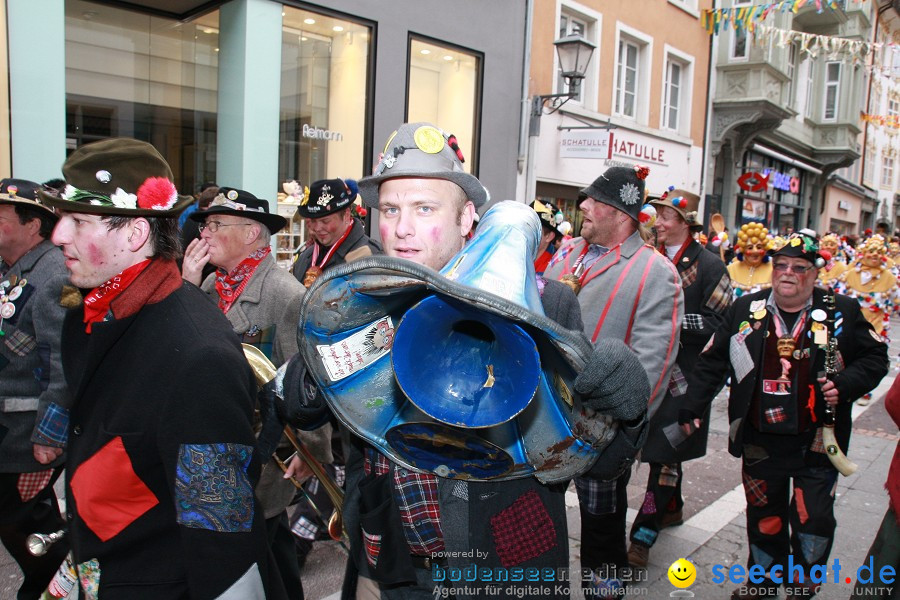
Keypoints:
(707, 293)
(161, 463)
(337, 237)
(262, 303)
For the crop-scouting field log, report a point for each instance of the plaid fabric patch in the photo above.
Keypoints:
(597, 497)
(818, 444)
(54, 425)
(775, 415)
(668, 475)
(689, 275)
(372, 544)
(692, 322)
(20, 342)
(839, 362)
(523, 530)
(755, 490)
(420, 514)
(382, 465)
(31, 484)
(721, 297)
(677, 383)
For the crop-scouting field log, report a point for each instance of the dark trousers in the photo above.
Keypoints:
(603, 525)
(790, 511)
(281, 542)
(884, 552)
(20, 519)
(663, 496)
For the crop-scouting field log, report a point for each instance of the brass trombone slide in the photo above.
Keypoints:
(264, 371)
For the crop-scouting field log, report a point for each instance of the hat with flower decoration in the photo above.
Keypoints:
(21, 192)
(238, 203)
(118, 176)
(802, 245)
(684, 203)
(421, 150)
(621, 188)
(551, 217)
(328, 196)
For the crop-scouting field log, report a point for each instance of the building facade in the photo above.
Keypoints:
(647, 80)
(786, 118)
(252, 93)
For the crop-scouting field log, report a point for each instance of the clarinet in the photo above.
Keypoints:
(838, 459)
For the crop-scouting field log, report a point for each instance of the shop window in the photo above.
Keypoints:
(445, 89)
(832, 91)
(324, 97)
(155, 79)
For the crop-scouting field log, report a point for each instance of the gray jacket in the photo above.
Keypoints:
(31, 378)
(272, 300)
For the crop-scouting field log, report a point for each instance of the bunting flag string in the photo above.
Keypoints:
(883, 120)
(746, 17)
(832, 47)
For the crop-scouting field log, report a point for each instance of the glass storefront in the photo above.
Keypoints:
(444, 89)
(780, 205)
(155, 79)
(324, 82)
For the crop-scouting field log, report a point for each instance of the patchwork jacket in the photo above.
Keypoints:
(34, 399)
(161, 467)
(862, 362)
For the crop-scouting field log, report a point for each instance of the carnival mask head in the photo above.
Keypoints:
(830, 243)
(753, 243)
(873, 252)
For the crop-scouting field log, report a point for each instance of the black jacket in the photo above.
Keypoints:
(864, 357)
(356, 239)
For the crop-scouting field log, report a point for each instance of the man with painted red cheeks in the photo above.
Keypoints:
(160, 464)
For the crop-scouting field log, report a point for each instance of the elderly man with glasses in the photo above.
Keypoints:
(775, 345)
(262, 303)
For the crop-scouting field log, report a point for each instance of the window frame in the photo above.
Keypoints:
(593, 22)
(732, 46)
(644, 66)
(686, 89)
(828, 84)
(887, 171)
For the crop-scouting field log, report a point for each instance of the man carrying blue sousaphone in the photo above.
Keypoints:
(462, 387)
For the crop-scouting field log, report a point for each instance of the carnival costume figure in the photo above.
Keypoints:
(751, 270)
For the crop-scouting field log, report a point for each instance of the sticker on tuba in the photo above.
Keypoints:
(358, 350)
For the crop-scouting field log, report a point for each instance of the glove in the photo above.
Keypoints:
(613, 382)
(300, 404)
(621, 452)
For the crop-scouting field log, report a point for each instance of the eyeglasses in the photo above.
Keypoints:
(798, 269)
(214, 226)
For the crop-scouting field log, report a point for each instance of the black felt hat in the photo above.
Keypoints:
(621, 188)
(21, 192)
(328, 196)
(238, 203)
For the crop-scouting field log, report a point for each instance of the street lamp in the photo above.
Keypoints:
(574, 53)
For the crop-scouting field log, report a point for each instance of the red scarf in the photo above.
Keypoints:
(680, 253)
(96, 303)
(229, 286)
(147, 282)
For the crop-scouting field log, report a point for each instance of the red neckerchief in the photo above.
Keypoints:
(230, 285)
(334, 247)
(96, 303)
(678, 255)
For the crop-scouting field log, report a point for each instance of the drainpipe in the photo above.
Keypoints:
(526, 80)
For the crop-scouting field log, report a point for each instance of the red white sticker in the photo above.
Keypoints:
(358, 350)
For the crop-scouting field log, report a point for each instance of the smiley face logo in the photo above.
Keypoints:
(682, 573)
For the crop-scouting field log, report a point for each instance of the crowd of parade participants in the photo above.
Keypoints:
(154, 353)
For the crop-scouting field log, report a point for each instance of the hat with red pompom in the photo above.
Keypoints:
(118, 176)
(621, 188)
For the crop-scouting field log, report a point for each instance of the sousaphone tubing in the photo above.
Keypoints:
(457, 373)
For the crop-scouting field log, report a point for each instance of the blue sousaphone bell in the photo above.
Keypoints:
(457, 373)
